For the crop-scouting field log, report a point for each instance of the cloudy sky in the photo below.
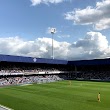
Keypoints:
(82, 28)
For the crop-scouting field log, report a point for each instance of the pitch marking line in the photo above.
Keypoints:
(6, 108)
(25, 84)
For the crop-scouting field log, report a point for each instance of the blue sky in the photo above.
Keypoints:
(29, 20)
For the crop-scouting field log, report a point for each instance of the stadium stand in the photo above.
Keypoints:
(96, 69)
(17, 70)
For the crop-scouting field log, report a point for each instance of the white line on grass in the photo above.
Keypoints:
(26, 84)
(5, 108)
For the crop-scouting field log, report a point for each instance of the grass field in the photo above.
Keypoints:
(80, 95)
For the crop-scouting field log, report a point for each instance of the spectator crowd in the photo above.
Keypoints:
(28, 80)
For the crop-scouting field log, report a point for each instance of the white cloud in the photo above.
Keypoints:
(99, 16)
(102, 24)
(36, 2)
(93, 45)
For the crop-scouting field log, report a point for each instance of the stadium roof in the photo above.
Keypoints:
(90, 62)
(11, 58)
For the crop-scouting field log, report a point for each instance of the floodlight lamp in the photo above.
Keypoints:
(53, 30)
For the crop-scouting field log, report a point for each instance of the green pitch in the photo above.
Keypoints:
(80, 95)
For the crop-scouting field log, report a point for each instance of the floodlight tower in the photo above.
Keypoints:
(53, 31)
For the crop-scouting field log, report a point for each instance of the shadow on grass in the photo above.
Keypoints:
(94, 101)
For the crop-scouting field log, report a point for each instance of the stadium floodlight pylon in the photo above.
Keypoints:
(53, 31)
